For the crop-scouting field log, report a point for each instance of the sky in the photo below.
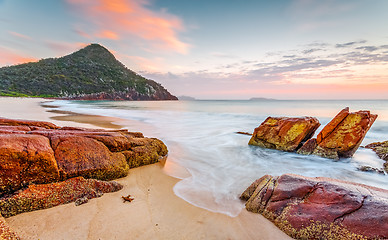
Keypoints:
(216, 49)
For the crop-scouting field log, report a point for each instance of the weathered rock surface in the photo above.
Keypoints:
(35, 154)
(13, 122)
(6, 233)
(43, 196)
(320, 208)
(87, 157)
(25, 159)
(381, 149)
(283, 133)
(343, 135)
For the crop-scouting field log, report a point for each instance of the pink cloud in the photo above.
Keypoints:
(10, 57)
(132, 18)
(108, 35)
(19, 35)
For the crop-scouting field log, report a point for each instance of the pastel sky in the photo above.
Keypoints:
(217, 49)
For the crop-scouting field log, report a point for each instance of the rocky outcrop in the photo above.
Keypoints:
(320, 208)
(26, 159)
(29, 123)
(381, 149)
(283, 133)
(43, 196)
(42, 154)
(341, 137)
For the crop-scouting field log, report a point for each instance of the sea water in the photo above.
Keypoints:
(218, 164)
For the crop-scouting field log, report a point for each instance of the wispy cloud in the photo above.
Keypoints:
(298, 73)
(133, 18)
(10, 57)
(19, 35)
(63, 48)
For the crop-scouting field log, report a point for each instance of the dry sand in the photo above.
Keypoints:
(156, 212)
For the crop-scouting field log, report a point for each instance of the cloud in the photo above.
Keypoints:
(19, 35)
(108, 35)
(131, 19)
(299, 73)
(10, 57)
(349, 44)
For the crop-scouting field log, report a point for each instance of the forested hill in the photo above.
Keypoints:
(91, 73)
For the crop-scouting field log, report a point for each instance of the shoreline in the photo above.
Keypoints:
(156, 212)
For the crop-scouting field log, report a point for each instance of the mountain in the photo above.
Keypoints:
(261, 99)
(92, 73)
(186, 98)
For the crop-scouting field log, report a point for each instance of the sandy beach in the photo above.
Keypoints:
(156, 212)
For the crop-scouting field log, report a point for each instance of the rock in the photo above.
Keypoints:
(13, 122)
(344, 134)
(380, 148)
(44, 196)
(371, 169)
(284, 133)
(308, 147)
(244, 133)
(320, 208)
(87, 157)
(6, 233)
(146, 151)
(25, 159)
(81, 201)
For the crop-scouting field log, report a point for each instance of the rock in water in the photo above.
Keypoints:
(49, 195)
(342, 136)
(320, 208)
(381, 149)
(284, 133)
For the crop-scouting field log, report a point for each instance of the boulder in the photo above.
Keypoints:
(87, 157)
(25, 159)
(284, 133)
(6, 233)
(145, 151)
(381, 149)
(13, 122)
(320, 208)
(344, 134)
(43, 196)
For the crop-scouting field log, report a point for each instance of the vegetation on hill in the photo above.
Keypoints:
(90, 73)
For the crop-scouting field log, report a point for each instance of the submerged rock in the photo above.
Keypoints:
(284, 133)
(320, 208)
(43, 196)
(381, 149)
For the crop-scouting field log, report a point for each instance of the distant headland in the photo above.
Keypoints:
(91, 73)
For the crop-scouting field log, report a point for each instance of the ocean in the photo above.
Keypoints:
(215, 165)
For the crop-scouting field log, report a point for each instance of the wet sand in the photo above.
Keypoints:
(156, 212)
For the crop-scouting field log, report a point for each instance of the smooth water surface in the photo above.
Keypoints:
(201, 138)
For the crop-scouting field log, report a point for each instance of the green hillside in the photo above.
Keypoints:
(90, 73)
